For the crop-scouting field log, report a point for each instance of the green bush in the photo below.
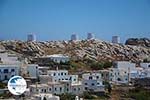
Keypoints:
(67, 96)
(87, 95)
(139, 94)
(2, 85)
(97, 66)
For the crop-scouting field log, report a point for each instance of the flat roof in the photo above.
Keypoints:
(39, 85)
(9, 65)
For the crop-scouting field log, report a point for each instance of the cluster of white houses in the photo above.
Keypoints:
(124, 71)
(60, 81)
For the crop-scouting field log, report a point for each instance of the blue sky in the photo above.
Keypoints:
(58, 19)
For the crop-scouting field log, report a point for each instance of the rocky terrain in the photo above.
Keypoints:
(145, 42)
(91, 49)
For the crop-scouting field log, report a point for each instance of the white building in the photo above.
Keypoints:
(31, 37)
(57, 88)
(145, 65)
(90, 36)
(122, 72)
(44, 79)
(57, 58)
(8, 70)
(115, 39)
(59, 82)
(51, 87)
(33, 70)
(62, 75)
(7, 58)
(146, 68)
(74, 37)
(77, 88)
(38, 88)
(92, 82)
(43, 96)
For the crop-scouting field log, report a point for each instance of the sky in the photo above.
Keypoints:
(58, 19)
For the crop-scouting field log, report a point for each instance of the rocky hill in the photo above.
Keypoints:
(145, 42)
(91, 49)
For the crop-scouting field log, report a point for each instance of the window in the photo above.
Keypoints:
(6, 77)
(90, 77)
(55, 60)
(67, 89)
(5, 70)
(55, 89)
(92, 84)
(65, 74)
(103, 82)
(74, 89)
(79, 89)
(98, 77)
(97, 83)
(148, 65)
(0, 70)
(85, 83)
(54, 74)
(60, 89)
(12, 70)
(58, 74)
(102, 74)
(86, 88)
(44, 90)
(61, 73)
(74, 79)
(70, 78)
(50, 89)
(119, 79)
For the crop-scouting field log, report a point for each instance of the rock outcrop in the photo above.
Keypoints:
(91, 49)
(145, 42)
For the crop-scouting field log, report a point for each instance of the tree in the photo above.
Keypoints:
(107, 64)
(87, 95)
(67, 96)
(97, 66)
(107, 86)
(2, 85)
